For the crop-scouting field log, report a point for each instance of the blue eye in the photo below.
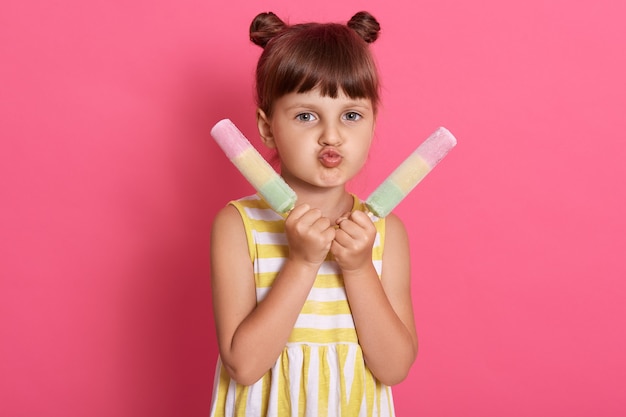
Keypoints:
(352, 116)
(305, 117)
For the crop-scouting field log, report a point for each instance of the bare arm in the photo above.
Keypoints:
(251, 336)
(382, 308)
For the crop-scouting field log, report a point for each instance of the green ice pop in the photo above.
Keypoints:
(410, 172)
(253, 166)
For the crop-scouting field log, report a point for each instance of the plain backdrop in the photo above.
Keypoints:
(109, 181)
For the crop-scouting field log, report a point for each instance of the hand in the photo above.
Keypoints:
(309, 235)
(354, 240)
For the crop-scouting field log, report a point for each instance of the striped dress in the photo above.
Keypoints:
(321, 371)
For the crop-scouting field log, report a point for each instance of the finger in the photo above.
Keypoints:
(329, 234)
(358, 224)
(311, 217)
(321, 224)
(298, 211)
(347, 226)
(343, 217)
(303, 216)
(342, 238)
(361, 218)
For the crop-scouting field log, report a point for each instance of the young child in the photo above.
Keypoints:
(313, 310)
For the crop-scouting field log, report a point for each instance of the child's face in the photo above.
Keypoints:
(321, 141)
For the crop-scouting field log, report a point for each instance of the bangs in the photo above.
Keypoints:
(333, 75)
(330, 57)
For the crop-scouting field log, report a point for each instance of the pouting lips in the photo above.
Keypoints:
(330, 158)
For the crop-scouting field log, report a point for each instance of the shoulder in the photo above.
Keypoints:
(232, 222)
(394, 227)
(230, 238)
(396, 241)
(228, 215)
(227, 224)
(232, 216)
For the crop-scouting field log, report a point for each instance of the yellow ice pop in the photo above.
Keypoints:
(410, 172)
(253, 166)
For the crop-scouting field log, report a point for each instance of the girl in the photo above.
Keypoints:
(313, 310)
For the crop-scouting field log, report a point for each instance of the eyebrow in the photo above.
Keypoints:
(360, 104)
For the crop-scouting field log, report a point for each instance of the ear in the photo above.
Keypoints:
(265, 129)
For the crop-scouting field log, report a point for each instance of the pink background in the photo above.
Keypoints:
(109, 181)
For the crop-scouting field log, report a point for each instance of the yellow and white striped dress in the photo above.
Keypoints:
(321, 371)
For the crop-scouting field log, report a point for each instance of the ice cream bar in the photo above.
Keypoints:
(410, 172)
(253, 166)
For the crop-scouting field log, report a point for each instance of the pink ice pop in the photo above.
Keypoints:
(253, 166)
(410, 172)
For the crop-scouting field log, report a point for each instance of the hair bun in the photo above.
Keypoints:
(365, 25)
(264, 27)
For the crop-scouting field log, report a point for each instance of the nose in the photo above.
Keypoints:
(330, 135)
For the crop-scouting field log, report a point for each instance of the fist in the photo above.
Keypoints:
(354, 240)
(309, 235)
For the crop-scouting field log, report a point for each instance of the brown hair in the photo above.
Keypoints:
(302, 57)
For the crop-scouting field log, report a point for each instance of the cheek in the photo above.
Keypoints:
(365, 150)
(366, 140)
(291, 155)
(361, 155)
